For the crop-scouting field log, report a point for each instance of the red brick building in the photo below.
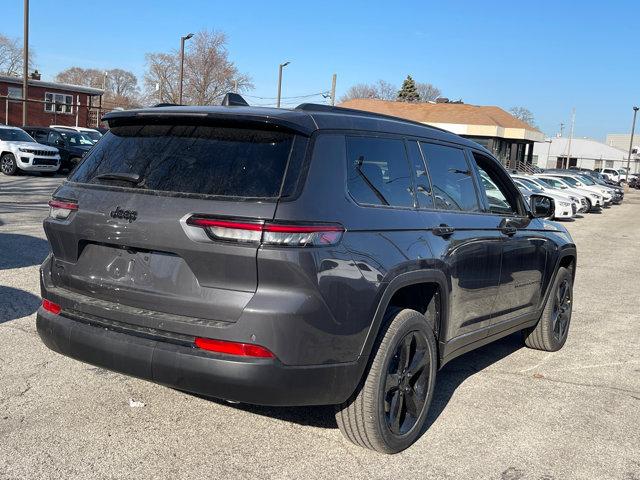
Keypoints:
(48, 103)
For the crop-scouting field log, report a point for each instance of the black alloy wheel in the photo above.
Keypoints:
(562, 310)
(405, 390)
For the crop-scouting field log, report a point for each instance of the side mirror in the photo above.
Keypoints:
(541, 206)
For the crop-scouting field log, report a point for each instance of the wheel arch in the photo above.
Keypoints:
(396, 290)
(567, 258)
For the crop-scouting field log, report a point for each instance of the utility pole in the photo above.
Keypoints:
(25, 64)
(182, 40)
(573, 121)
(235, 86)
(280, 67)
(333, 90)
(561, 128)
(633, 127)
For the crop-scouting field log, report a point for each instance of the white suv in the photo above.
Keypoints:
(618, 176)
(18, 151)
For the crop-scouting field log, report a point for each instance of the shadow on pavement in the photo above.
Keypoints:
(448, 380)
(16, 303)
(18, 250)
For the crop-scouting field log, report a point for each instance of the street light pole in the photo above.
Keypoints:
(182, 40)
(282, 65)
(25, 64)
(633, 127)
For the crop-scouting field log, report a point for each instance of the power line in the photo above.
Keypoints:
(284, 98)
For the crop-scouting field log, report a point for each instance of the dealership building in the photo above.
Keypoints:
(509, 139)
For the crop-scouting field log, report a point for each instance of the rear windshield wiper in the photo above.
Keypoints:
(125, 177)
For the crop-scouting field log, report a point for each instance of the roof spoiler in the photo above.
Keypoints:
(234, 100)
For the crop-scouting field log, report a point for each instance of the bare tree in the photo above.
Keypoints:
(161, 78)
(360, 90)
(208, 72)
(381, 90)
(523, 114)
(384, 90)
(89, 77)
(121, 86)
(11, 56)
(428, 92)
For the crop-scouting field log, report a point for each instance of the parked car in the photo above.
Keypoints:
(19, 152)
(617, 175)
(92, 133)
(594, 200)
(71, 145)
(616, 192)
(210, 249)
(534, 185)
(577, 182)
(563, 207)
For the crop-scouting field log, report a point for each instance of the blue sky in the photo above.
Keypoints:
(548, 56)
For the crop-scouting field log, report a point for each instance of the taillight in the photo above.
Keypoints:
(49, 306)
(288, 235)
(61, 209)
(233, 348)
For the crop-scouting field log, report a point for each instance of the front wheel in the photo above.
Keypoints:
(388, 410)
(551, 331)
(8, 164)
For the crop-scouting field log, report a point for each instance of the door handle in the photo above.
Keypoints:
(509, 230)
(443, 230)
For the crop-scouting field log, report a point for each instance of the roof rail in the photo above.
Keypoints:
(166, 104)
(316, 107)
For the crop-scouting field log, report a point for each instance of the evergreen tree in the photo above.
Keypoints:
(409, 91)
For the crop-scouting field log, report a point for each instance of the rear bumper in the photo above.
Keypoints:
(254, 381)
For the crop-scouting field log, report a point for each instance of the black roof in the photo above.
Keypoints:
(305, 118)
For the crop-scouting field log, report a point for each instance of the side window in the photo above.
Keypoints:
(423, 184)
(54, 137)
(499, 200)
(378, 172)
(451, 178)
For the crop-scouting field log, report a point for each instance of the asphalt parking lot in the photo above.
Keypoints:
(502, 412)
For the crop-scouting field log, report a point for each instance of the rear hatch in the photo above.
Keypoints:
(128, 242)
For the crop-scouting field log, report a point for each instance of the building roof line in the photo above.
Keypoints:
(56, 85)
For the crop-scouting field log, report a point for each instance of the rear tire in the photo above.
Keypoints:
(388, 410)
(8, 164)
(551, 331)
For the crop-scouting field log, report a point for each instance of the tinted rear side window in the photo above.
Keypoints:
(451, 178)
(197, 159)
(378, 172)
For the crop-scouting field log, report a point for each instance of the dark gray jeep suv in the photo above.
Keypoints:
(310, 256)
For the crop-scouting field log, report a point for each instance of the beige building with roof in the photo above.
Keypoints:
(509, 139)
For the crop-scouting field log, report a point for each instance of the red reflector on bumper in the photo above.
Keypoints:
(233, 348)
(51, 307)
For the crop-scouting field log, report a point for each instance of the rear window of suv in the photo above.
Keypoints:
(192, 159)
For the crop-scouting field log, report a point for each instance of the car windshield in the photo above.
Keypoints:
(530, 184)
(76, 138)
(586, 180)
(571, 181)
(14, 135)
(95, 136)
(554, 182)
